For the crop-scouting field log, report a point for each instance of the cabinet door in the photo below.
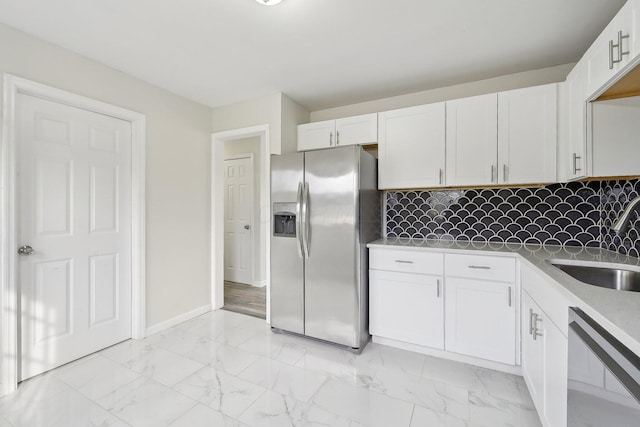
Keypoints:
(576, 124)
(472, 140)
(316, 135)
(527, 135)
(532, 352)
(555, 374)
(406, 307)
(480, 319)
(357, 130)
(599, 59)
(411, 147)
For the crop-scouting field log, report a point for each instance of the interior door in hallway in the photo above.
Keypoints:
(238, 252)
(74, 232)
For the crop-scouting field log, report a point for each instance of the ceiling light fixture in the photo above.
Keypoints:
(269, 2)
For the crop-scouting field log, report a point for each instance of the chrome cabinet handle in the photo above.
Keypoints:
(402, 261)
(438, 288)
(479, 267)
(618, 45)
(246, 227)
(337, 138)
(440, 176)
(492, 172)
(25, 250)
(530, 321)
(509, 296)
(611, 55)
(504, 172)
(330, 139)
(575, 164)
(536, 332)
(621, 52)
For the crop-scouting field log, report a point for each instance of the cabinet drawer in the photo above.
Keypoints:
(481, 267)
(406, 261)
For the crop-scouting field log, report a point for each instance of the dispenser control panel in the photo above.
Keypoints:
(284, 219)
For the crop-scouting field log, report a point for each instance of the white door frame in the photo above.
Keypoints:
(217, 206)
(9, 292)
(252, 231)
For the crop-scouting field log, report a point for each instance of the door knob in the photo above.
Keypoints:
(246, 227)
(25, 250)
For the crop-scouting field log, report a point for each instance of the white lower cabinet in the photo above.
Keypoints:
(480, 306)
(406, 307)
(469, 305)
(464, 304)
(481, 319)
(544, 363)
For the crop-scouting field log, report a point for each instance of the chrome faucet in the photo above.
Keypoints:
(622, 223)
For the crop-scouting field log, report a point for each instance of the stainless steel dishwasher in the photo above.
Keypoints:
(604, 377)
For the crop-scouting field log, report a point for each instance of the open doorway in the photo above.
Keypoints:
(244, 273)
(218, 140)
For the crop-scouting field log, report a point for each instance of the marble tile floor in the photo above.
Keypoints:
(229, 369)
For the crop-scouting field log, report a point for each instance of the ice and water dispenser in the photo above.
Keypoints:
(284, 219)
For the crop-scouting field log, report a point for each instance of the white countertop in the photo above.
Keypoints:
(617, 311)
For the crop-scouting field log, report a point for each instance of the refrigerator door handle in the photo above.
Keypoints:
(305, 220)
(299, 219)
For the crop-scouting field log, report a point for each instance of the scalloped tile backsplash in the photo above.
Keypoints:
(571, 214)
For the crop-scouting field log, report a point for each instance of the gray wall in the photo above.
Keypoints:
(177, 176)
(480, 87)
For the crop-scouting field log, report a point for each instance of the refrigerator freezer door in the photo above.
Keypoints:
(332, 294)
(287, 265)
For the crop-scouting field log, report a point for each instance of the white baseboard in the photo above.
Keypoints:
(158, 327)
(496, 366)
(260, 283)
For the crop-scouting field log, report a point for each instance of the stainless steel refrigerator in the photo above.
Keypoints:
(325, 208)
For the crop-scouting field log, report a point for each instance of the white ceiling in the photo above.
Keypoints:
(321, 53)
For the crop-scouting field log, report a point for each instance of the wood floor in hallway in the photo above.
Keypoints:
(245, 299)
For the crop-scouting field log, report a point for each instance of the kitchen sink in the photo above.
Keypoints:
(611, 276)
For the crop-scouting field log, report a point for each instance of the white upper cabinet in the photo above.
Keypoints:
(316, 135)
(612, 50)
(355, 130)
(527, 135)
(472, 140)
(412, 147)
(573, 159)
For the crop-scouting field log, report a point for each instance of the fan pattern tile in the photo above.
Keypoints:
(569, 214)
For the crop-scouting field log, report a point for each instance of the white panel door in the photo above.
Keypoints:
(472, 140)
(238, 186)
(480, 319)
(527, 135)
(407, 307)
(412, 147)
(74, 185)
